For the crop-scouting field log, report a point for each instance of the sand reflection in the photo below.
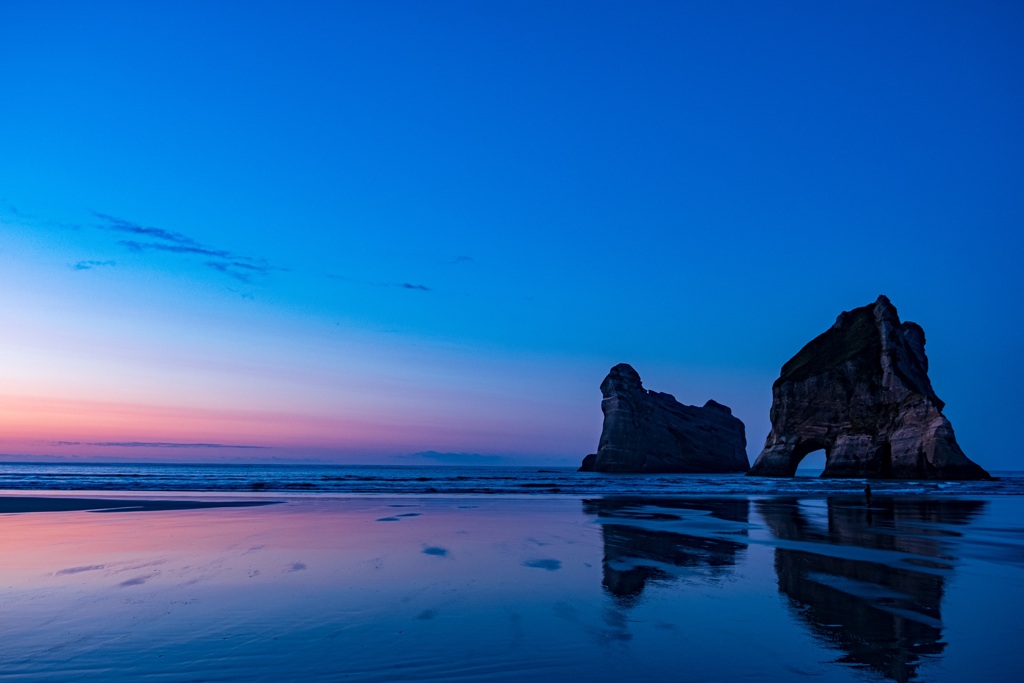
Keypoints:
(664, 540)
(884, 615)
(867, 581)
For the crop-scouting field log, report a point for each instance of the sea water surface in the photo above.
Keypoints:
(447, 479)
(236, 584)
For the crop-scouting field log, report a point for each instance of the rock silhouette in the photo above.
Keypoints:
(861, 392)
(648, 431)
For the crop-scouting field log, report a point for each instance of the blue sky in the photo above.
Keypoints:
(395, 227)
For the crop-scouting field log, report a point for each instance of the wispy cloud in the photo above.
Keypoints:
(79, 570)
(239, 270)
(174, 248)
(150, 444)
(120, 225)
(399, 285)
(89, 265)
(411, 286)
(236, 266)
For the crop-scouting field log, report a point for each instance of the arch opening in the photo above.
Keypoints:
(812, 464)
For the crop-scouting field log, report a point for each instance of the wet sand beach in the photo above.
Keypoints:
(455, 588)
(22, 503)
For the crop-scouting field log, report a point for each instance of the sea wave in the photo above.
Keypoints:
(452, 480)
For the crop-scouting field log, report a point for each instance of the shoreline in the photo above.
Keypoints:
(19, 502)
(446, 480)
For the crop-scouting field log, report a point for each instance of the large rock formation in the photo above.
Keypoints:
(647, 431)
(861, 392)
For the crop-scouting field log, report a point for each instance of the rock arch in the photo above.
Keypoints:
(861, 392)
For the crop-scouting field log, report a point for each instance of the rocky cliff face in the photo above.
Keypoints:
(861, 392)
(647, 431)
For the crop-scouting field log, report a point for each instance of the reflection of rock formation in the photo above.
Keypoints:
(861, 392)
(647, 539)
(883, 610)
(648, 431)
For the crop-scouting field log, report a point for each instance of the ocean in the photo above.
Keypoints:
(456, 480)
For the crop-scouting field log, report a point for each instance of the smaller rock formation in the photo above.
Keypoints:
(861, 392)
(647, 431)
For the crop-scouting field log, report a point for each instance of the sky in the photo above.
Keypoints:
(385, 232)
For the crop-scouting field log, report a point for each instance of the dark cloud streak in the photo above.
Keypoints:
(243, 272)
(89, 265)
(150, 444)
(241, 268)
(399, 285)
(121, 225)
(174, 248)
